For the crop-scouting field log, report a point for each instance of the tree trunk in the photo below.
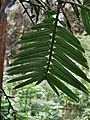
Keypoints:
(3, 24)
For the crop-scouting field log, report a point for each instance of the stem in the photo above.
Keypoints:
(53, 39)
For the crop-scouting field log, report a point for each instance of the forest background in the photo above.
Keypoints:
(40, 102)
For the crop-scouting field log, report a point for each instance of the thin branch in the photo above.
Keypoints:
(46, 4)
(68, 23)
(41, 3)
(79, 1)
(34, 4)
(25, 10)
(10, 105)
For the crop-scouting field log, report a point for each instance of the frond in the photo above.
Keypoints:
(50, 52)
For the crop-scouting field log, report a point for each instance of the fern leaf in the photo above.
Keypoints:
(50, 52)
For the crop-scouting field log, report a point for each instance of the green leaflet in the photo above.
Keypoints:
(36, 34)
(62, 87)
(52, 86)
(42, 25)
(34, 50)
(32, 55)
(48, 20)
(86, 19)
(28, 66)
(66, 62)
(59, 71)
(62, 69)
(39, 38)
(69, 37)
(27, 76)
(28, 82)
(71, 81)
(77, 59)
(46, 23)
(28, 60)
(35, 43)
(70, 48)
(24, 71)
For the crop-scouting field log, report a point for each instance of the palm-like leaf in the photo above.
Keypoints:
(49, 52)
